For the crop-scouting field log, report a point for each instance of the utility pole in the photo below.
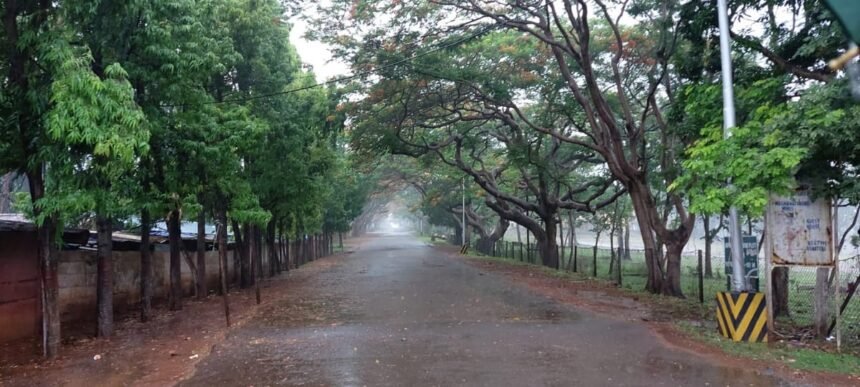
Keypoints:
(738, 275)
(463, 229)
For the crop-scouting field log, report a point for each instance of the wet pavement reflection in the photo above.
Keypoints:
(399, 313)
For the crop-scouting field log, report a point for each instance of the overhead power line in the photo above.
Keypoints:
(438, 48)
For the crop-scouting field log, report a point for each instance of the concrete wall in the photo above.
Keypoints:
(19, 286)
(78, 279)
(20, 310)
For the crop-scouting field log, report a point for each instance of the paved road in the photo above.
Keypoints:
(399, 313)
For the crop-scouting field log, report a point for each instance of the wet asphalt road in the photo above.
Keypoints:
(398, 313)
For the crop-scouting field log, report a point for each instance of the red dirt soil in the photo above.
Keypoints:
(160, 352)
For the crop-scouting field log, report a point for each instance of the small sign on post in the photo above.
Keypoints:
(750, 246)
(801, 230)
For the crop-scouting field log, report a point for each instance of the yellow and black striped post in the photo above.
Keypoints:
(464, 249)
(742, 316)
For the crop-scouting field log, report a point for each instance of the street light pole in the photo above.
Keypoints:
(738, 280)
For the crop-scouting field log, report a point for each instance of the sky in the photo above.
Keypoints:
(316, 54)
(325, 67)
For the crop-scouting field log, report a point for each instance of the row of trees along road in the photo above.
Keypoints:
(167, 110)
(572, 104)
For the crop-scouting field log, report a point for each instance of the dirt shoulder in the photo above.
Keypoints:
(661, 315)
(160, 352)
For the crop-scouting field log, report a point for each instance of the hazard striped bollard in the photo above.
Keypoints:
(742, 316)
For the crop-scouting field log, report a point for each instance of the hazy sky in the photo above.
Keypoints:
(316, 54)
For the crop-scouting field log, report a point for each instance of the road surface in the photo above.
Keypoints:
(399, 313)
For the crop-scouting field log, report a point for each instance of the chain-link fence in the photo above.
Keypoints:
(700, 283)
(810, 289)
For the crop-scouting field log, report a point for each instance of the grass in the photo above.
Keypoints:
(689, 310)
(808, 359)
(634, 277)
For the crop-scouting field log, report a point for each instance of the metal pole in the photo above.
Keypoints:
(738, 282)
(834, 219)
(463, 230)
(701, 280)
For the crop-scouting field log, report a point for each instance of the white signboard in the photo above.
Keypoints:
(800, 230)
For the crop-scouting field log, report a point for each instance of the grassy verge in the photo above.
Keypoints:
(697, 321)
(808, 359)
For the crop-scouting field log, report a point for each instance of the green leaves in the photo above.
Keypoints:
(756, 159)
(94, 112)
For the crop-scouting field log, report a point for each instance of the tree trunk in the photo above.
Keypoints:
(627, 241)
(642, 206)
(251, 251)
(594, 254)
(104, 281)
(289, 253)
(202, 290)
(571, 262)
(258, 252)
(706, 222)
(306, 255)
(145, 267)
(547, 243)
(519, 238)
(780, 291)
(255, 264)
(221, 224)
(672, 282)
(243, 246)
(174, 231)
(237, 260)
(612, 247)
(486, 243)
(239, 256)
(273, 252)
(315, 241)
(561, 242)
(5, 193)
(340, 240)
(192, 267)
(300, 250)
(300, 253)
(48, 268)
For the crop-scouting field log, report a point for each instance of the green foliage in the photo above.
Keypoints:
(826, 122)
(755, 159)
(175, 104)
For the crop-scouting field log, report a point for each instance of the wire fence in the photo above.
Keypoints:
(703, 282)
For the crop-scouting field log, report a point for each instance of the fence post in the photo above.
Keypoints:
(561, 256)
(558, 257)
(529, 252)
(575, 258)
(701, 280)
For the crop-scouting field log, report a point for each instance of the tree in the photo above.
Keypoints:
(785, 118)
(610, 77)
(75, 124)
